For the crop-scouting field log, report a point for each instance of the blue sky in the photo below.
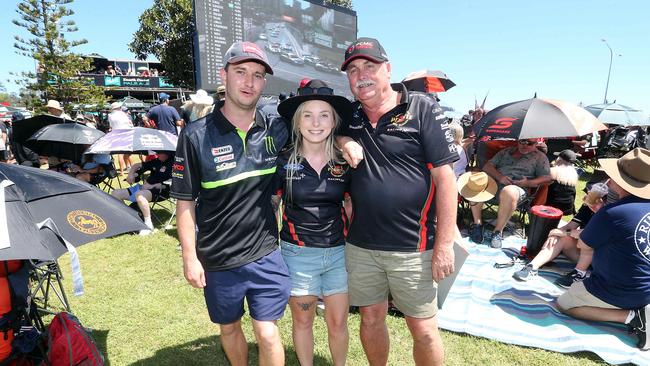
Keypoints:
(511, 48)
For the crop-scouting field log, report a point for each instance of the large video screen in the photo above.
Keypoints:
(303, 39)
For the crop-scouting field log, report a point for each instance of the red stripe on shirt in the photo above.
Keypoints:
(425, 214)
(292, 230)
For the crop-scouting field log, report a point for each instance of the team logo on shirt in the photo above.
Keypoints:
(216, 151)
(269, 145)
(401, 118)
(226, 166)
(337, 171)
(294, 167)
(642, 237)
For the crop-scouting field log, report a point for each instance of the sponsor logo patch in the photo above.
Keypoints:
(226, 166)
(86, 222)
(401, 118)
(222, 158)
(337, 170)
(294, 167)
(178, 167)
(216, 151)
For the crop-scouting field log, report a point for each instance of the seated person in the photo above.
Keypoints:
(92, 168)
(618, 289)
(563, 240)
(150, 189)
(562, 191)
(516, 169)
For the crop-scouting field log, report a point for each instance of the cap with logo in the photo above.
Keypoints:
(246, 51)
(368, 48)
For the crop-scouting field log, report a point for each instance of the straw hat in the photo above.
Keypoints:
(116, 105)
(54, 104)
(201, 97)
(631, 171)
(476, 186)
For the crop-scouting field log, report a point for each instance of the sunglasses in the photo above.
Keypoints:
(526, 142)
(312, 91)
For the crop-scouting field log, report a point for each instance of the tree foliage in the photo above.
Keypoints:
(166, 32)
(57, 77)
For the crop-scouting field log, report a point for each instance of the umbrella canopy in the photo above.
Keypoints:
(134, 103)
(25, 240)
(428, 81)
(22, 130)
(137, 139)
(618, 114)
(65, 140)
(535, 118)
(82, 212)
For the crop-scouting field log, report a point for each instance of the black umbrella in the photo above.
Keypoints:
(24, 129)
(65, 141)
(534, 118)
(137, 139)
(82, 212)
(23, 238)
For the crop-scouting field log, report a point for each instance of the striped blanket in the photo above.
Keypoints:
(486, 301)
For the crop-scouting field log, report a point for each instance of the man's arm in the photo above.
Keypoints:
(493, 172)
(186, 224)
(352, 151)
(446, 207)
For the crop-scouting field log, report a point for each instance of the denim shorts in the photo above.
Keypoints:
(315, 271)
(264, 283)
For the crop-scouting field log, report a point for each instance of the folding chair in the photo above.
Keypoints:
(165, 202)
(104, 180)
(46, 280)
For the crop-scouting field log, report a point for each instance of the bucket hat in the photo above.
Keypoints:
(631, 171)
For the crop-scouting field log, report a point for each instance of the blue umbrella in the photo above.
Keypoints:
(618, 114)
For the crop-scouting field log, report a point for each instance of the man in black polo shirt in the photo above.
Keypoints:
(393, 245)
(226, 163)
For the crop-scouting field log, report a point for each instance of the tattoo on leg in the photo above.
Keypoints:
(304, 306)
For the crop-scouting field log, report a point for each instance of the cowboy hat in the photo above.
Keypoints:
(201, 97)
(631, 171)
(116, 105)
(316, 90)
(476, 186)
(53, 104)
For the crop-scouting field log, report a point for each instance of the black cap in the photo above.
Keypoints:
(247, 51)
(368, 48)
(567, 155)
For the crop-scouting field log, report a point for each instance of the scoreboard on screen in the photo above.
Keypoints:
(303, 39)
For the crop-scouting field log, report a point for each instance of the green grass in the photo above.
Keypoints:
(143, 312)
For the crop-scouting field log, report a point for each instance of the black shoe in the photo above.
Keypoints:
(568, 279)
(639, 325)
(476, 233)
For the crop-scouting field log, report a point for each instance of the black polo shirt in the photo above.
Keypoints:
(392, 190)
(313, 216)
(230, 173)
(160, 170)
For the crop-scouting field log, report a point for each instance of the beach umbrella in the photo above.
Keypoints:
(24, 129)
(618, 114)
(428, 81)
(535, 118)
(82, 213)
(65, 140)
(137, 139)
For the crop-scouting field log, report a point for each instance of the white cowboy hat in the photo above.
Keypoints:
(201, 97)
(631, 171)
(53, 104)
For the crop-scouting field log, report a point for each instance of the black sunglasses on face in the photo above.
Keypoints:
(526, 142)
(312, 91)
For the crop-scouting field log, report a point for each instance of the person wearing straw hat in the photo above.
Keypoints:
(54, 108)
(313, 180)
(199, 105)
(618, 289)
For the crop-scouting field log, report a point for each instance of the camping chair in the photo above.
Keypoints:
(103, 180)
(166, 203)
(46, 279)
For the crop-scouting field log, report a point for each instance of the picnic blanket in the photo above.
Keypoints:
(486, 301)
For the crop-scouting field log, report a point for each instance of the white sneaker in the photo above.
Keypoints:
(145, 232)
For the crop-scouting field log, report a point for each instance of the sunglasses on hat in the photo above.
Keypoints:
(323, 90)
(526, 142)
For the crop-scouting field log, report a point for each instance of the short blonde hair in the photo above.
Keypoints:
(457, 132)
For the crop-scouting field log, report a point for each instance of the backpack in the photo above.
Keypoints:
(70, 344)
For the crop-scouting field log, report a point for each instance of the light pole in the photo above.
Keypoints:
(611, 58)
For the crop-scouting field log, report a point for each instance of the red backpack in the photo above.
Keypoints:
(70, 344)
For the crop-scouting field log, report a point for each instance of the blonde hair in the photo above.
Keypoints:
(196, 110)
(331, 152)
(457, 131)
(564, 173)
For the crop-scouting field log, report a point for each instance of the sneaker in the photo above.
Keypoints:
(476, 233)
(639, 326)
(144, 232)
(568, 279)
(525, 273)
(497, 240)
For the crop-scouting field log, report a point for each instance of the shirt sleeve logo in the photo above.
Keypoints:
(216, 151)
(642, 236)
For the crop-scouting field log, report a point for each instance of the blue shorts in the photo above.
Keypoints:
(316, 271)
(133, 190)
(265, 284)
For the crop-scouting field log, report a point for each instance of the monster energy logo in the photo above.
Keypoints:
(269, 145)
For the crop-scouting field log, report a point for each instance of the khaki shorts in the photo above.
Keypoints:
(578, 296)
(373, 274)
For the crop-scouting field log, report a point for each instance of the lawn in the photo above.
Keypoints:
(142, 312)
